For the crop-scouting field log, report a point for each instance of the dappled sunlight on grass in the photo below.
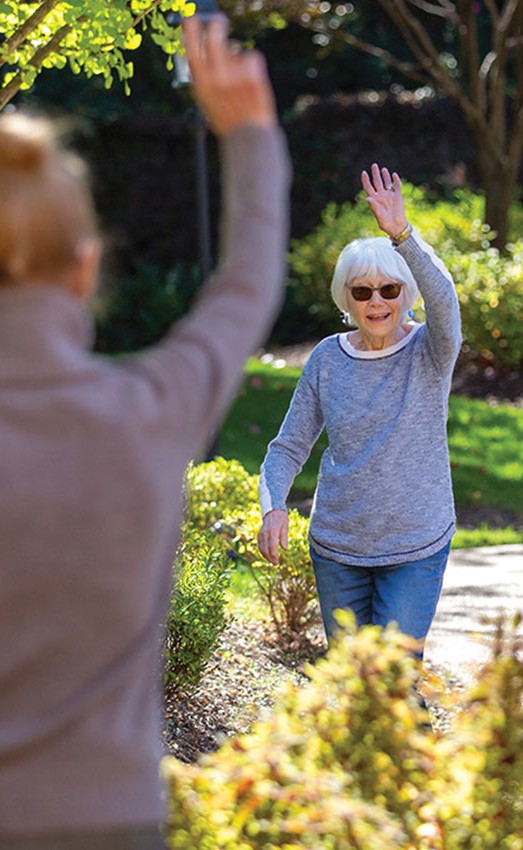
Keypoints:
(485, 446)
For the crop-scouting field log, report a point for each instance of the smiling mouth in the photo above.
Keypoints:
(378, 317)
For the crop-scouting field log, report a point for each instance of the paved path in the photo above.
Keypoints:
(478, 582)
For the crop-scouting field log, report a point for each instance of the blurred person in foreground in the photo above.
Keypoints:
(92, 460)
(383, 513)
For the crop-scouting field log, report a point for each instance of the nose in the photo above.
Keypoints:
(376, 296)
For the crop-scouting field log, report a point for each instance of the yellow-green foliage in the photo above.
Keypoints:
(222, 495)
(342, 763)
(490, 291)
(218, 491)
(482, 806)
(198, 610)
(346, 763)
(289, 587)
(489, 285)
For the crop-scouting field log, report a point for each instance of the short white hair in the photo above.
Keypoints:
(368, 258)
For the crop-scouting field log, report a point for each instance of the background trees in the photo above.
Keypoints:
(468, 50)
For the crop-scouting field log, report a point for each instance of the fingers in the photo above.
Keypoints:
(205, 43)
(284, 535)
(268, 545)
(232, 88)
(273, 532)
(396, 182)
(381, 180)
(366, 183)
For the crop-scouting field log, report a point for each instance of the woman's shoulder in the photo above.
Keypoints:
(323, 349)
(326, 346)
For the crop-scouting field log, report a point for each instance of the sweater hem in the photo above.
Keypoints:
(384, 560)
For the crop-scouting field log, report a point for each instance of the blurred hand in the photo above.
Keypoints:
(385, 199)
(273, 533)
(232, 87)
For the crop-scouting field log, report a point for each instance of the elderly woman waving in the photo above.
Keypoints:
(383, 513)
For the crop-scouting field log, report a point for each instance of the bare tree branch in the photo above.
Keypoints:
(444, 10)
(487, 64)
(507, 15)
(408, 69)
(493, 11)
(518, 59)
(470, 50)
(421, 46)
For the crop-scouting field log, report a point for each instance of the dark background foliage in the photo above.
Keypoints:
(341, 110)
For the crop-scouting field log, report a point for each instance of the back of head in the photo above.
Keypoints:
(46, 208)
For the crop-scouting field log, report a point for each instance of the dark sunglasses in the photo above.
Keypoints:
(389, 291)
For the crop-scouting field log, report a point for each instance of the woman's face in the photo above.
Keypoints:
(378, 317)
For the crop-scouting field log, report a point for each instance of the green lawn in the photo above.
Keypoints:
(485, 446)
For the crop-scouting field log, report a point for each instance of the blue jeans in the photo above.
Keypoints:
(405, 593)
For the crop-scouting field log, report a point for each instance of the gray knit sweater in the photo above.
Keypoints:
(384, 492)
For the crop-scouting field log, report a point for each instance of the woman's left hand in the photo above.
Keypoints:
(385, 199)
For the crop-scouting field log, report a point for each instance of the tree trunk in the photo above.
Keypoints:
(498, 179)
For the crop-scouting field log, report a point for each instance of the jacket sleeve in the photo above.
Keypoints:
(290, 449)
(441, 301)
(193, 373)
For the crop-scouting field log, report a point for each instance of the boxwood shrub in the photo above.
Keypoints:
(347, 762)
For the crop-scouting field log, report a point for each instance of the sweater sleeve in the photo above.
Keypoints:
(441, 301)
(195, 370)
(291, 447)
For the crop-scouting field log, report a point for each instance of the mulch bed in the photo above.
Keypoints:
(237, 687)
(241, 683)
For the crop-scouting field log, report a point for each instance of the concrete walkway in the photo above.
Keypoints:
(478, 582)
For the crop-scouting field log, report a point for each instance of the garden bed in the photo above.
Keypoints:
(242, 679)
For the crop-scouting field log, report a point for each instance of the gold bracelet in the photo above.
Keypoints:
(405, 233)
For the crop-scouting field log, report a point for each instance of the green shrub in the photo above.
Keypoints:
(489, 285)
(217, 491)
(198, 613)
(346, 762)
(288, 588)
(490, 291)
(222, 496)
(482, 802)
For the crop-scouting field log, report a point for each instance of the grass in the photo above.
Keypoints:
(485, 447)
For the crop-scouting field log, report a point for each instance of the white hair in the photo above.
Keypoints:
(368, 258)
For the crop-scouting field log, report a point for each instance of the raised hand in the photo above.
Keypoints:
(385, 199)
(273, 533)
(232, 87)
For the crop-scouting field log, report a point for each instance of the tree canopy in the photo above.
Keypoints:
(94, 38)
